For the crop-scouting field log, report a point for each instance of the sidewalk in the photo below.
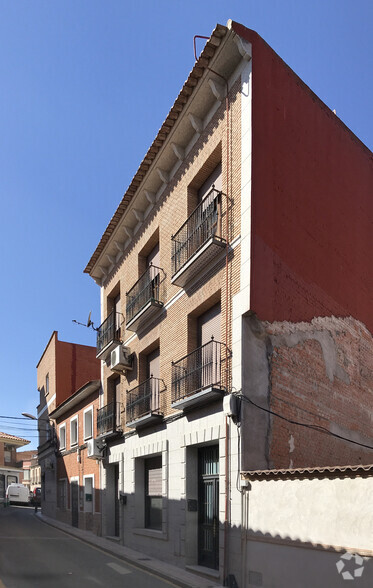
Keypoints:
(178, 576)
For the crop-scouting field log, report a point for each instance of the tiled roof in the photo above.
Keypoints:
(8, 437)
(325, 472)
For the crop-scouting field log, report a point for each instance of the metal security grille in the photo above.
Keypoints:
(108, 418)
(149, 288)
(108, 331)
(197, 370)
(143, 399)
(204, 222)
(208, 512)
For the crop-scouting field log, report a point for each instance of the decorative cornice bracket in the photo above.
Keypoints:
(196, 123)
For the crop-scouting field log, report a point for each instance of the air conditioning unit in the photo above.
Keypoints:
(121, 359)
(93, 449)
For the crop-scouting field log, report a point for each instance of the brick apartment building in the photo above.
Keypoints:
(235, 278)
(78, 472)
(63, 369)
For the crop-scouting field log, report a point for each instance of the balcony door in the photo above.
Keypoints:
(209, 326)
(214, 179)
(153, 372)
(118, 316)
(152, 263)
(210, 205)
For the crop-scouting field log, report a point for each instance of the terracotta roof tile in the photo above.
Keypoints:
(8, 437)
(324, 471)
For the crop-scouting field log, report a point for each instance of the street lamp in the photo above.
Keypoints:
(50, 434)
(29, 416)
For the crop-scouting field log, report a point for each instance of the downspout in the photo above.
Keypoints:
(227, 473)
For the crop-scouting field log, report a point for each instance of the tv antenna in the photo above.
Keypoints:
(88, 324)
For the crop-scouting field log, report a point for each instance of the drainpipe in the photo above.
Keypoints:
(227, 473)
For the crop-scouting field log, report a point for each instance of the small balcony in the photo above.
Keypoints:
(145, 299)
(143, 403)
(197, 377)
(198, 240)
(108, 419)
(108, 335)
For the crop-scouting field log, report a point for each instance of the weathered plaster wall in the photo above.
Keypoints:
(332, 512)
(318, 373)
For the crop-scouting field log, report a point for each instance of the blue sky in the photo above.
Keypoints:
(85, 86)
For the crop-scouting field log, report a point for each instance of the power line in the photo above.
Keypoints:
(318, 428)
(15, 418)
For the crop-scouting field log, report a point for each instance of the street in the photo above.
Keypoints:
(33, 554)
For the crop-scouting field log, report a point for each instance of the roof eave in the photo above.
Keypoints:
(176, 110)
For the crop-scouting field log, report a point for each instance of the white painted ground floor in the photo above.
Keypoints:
(175, 502)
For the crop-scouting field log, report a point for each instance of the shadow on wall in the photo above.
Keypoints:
(182, 534)
(76, 504)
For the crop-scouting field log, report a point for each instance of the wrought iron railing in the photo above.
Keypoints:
(204, 222)
(197, 370)
(108, 419)
(144, 399)
(109, 330)
(148, 288)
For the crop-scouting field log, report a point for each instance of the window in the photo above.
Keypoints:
(47, 384)
(88, 423)
(88, 493)
(62, 436)
(26, 475)
(61, 494)
(153, 493)
(74, 431)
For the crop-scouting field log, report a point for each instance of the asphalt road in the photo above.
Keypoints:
(33, 554)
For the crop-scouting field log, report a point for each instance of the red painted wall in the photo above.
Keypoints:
(75, 366)
(312, 201)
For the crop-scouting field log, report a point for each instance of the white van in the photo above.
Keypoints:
(17, 494)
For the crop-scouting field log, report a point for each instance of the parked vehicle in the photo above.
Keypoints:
(17, 494)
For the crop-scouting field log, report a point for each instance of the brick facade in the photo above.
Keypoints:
(73, 462)
(62, 369)
(286, 270)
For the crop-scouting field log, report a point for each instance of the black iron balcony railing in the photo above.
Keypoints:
(200, 369)
(144, 399)
(108, 419)
(204, 222)
(149, 288)
(109, 330)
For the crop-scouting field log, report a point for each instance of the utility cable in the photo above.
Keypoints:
(308, 426)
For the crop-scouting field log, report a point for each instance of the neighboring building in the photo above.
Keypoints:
(35, 474)
(24, 462)
(78, 471)
(9, 471)
(62, 369)
(245, 232)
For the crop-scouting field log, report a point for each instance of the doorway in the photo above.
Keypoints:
(208, 506)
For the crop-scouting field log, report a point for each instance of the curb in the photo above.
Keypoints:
(166, 571)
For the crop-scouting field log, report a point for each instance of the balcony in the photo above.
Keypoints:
(197, 377)
(198, 241)
(108, 335)
(108, 419)
(145, 299)
(143, 403)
